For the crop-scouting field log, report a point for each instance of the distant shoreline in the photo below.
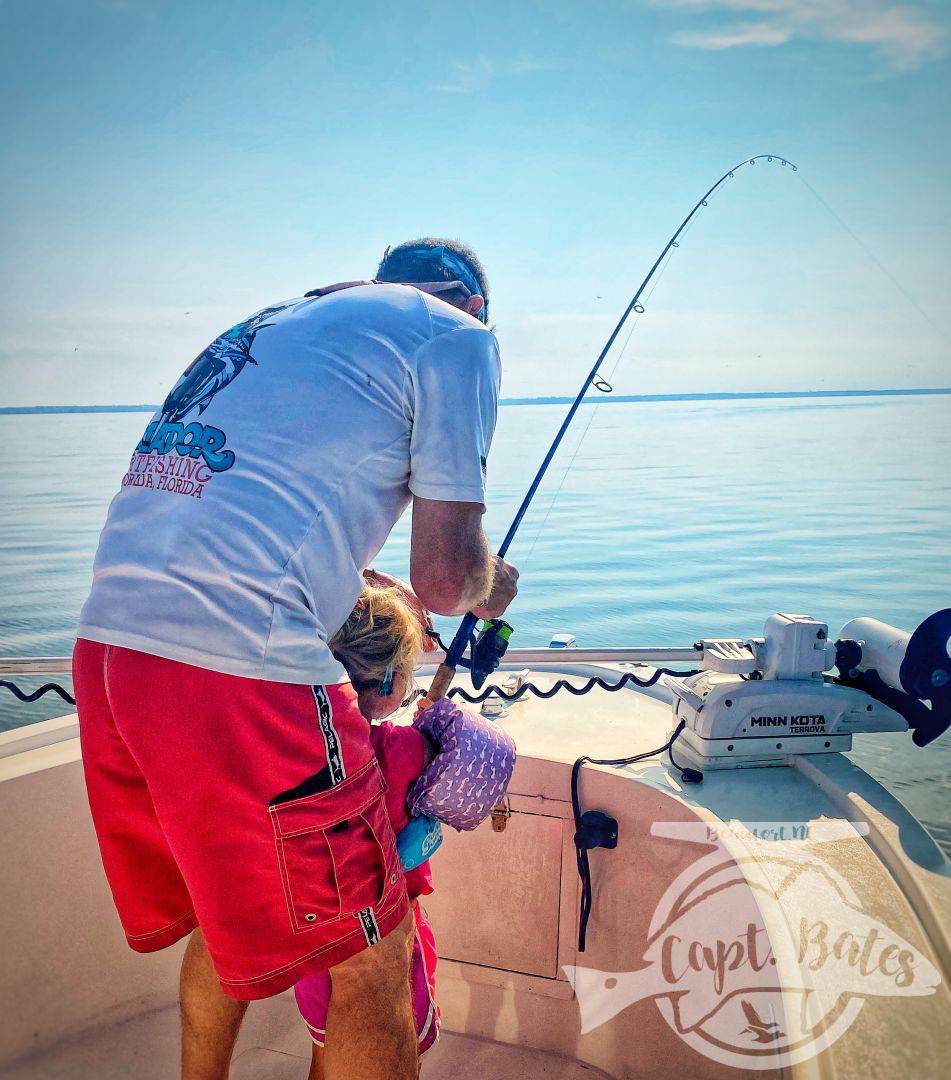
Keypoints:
(603, 399)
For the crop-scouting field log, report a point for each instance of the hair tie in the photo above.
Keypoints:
(386, 683)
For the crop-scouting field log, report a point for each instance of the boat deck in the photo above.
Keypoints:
(273, 1046)
(78, 1004)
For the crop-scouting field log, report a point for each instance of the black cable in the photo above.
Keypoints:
(563, 684)
(688, 775)
(616, 763)
(45, 689)
(592, 833)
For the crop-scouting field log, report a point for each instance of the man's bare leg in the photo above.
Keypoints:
(316, 1063)
(210, 1019)
(371, 1032)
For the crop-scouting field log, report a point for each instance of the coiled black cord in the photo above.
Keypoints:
(563, 684)
(46, 688)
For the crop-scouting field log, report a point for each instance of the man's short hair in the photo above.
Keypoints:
(433, 258)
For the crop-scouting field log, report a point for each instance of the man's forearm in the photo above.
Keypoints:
(463, 585)
(477, 583)
(451, 567)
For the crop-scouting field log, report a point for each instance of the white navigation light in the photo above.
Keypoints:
(562, 641)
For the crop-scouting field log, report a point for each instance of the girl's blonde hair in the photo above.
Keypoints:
(382, 632)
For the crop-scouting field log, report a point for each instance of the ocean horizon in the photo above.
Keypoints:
(604, 399)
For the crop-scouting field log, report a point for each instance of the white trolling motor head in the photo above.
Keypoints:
(756, 702)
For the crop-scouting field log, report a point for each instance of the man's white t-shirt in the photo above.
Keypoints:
(275, 471)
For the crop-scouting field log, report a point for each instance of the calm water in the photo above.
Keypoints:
(677, 520)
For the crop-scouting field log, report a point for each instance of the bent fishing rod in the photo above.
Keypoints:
(487, 649)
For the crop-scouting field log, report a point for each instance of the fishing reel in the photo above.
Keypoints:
(487, 650)
(486, 647)
(756, 702)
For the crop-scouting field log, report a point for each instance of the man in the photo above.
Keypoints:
(230, 774)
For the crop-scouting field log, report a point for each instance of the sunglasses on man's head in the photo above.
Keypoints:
(434, 288)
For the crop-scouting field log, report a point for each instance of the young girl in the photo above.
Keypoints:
(378, 645)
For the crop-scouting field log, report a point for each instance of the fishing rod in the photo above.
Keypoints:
(488, 647)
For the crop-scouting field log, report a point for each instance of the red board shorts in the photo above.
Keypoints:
(252, 809)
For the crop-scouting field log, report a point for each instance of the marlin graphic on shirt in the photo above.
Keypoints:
(179, 458)
(215, 368)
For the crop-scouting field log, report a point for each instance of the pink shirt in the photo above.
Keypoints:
(402, 754)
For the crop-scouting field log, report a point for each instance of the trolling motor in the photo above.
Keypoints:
(902, 670)
(756, 702)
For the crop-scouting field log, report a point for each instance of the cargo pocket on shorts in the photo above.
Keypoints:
(336, 849)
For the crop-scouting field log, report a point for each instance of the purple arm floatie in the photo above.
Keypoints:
(471, 771)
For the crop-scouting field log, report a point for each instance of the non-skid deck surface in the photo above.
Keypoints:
(454, 1057)
(145, 1047)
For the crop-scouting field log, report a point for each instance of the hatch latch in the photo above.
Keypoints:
(501, 813)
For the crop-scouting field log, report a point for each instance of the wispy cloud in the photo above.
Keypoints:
(904, 35)
(465, 77)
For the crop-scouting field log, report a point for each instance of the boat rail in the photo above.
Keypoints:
(36, 665)
(542, 657)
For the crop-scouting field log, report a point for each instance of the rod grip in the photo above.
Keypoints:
(440, 684)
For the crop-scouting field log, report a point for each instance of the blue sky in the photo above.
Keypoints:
(168, 168)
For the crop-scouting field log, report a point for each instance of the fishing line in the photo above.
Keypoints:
(526, 562)
(875, 259)
(598, 403)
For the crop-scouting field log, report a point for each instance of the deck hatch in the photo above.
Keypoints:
(507, 915)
